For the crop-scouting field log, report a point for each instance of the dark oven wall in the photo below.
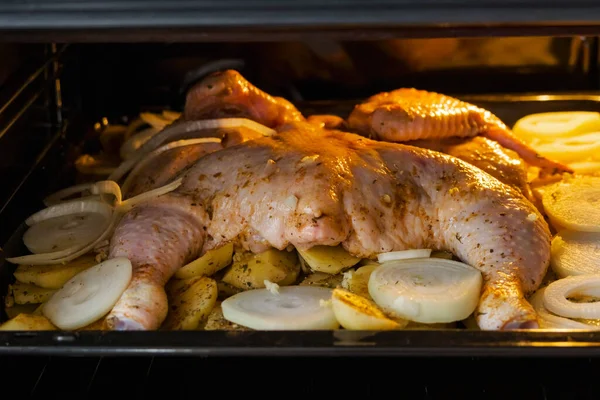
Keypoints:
(121, 78)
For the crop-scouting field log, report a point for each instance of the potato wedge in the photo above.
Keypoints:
(354, 312)
(251, 270)
(226, 290)
(190, 301)
(357, 281)
(211, 262)
(328, 259)
(17, 309)
(217, 322)
(25, 293)
(28, 322)
(53, 276)
(323, 279)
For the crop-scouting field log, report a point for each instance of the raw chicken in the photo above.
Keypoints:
(307, 186)
(410, 114)
(503, 164)
(228, 94)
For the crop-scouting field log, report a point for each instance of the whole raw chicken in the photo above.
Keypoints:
(369, 196)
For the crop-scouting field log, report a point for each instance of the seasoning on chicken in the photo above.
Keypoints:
(228, 94)
(503, 164)
(306, 186)
(410, 114)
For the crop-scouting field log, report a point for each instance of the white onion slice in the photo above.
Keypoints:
(575, 253)
(133, 143)
(129, 163)
(153, 154)
(69, 254)
(426, 290)
(554, 322)
(96, 188)
(66, 231)
(143, 197)
(89, 295)
(69, 208)
(185, 127)
(293, 308)
(403, 255)
(557, 294)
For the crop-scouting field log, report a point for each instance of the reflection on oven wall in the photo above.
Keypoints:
(123, 77)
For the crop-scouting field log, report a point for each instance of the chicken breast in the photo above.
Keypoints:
(307, 186)
(409, 114)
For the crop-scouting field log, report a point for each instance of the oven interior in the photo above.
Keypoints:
(54, 96)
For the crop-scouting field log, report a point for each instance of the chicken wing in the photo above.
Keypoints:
(410, 114)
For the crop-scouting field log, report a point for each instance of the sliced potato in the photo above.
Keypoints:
(17, 309)
(217, 322)
(328, 259)
(190, 301)
(53, 276)
(574, 203)
(575, 253)
(322, 279)
(357, 281)
(28, 322)
(211, 262)
(354, 312)
(251, 270)
(226, 290)
(25, 293)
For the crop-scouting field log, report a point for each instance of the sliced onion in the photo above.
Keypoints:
(157, 121)
(171, 115)
(557, 294)
(133, 143)
(97, 188)
(293, 308)
(69, 254)
(550, 321)
(89, 295)
(69, 208)
(66, 231)
(426, 290)
(129, 163)
(143, 197)
(575, 253)
(403, 255)
(153, 154)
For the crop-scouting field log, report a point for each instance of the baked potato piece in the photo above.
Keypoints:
(328, 259)
(322, 279)
(217, 322)
(226, 290)
(25, 293)
(53, 276)
(249, 271)
(28, 322)
(94, 326)
(190, 302)
(207, 265)
(357, 281)
(17, 309)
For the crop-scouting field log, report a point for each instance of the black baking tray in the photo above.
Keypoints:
(54, 170)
